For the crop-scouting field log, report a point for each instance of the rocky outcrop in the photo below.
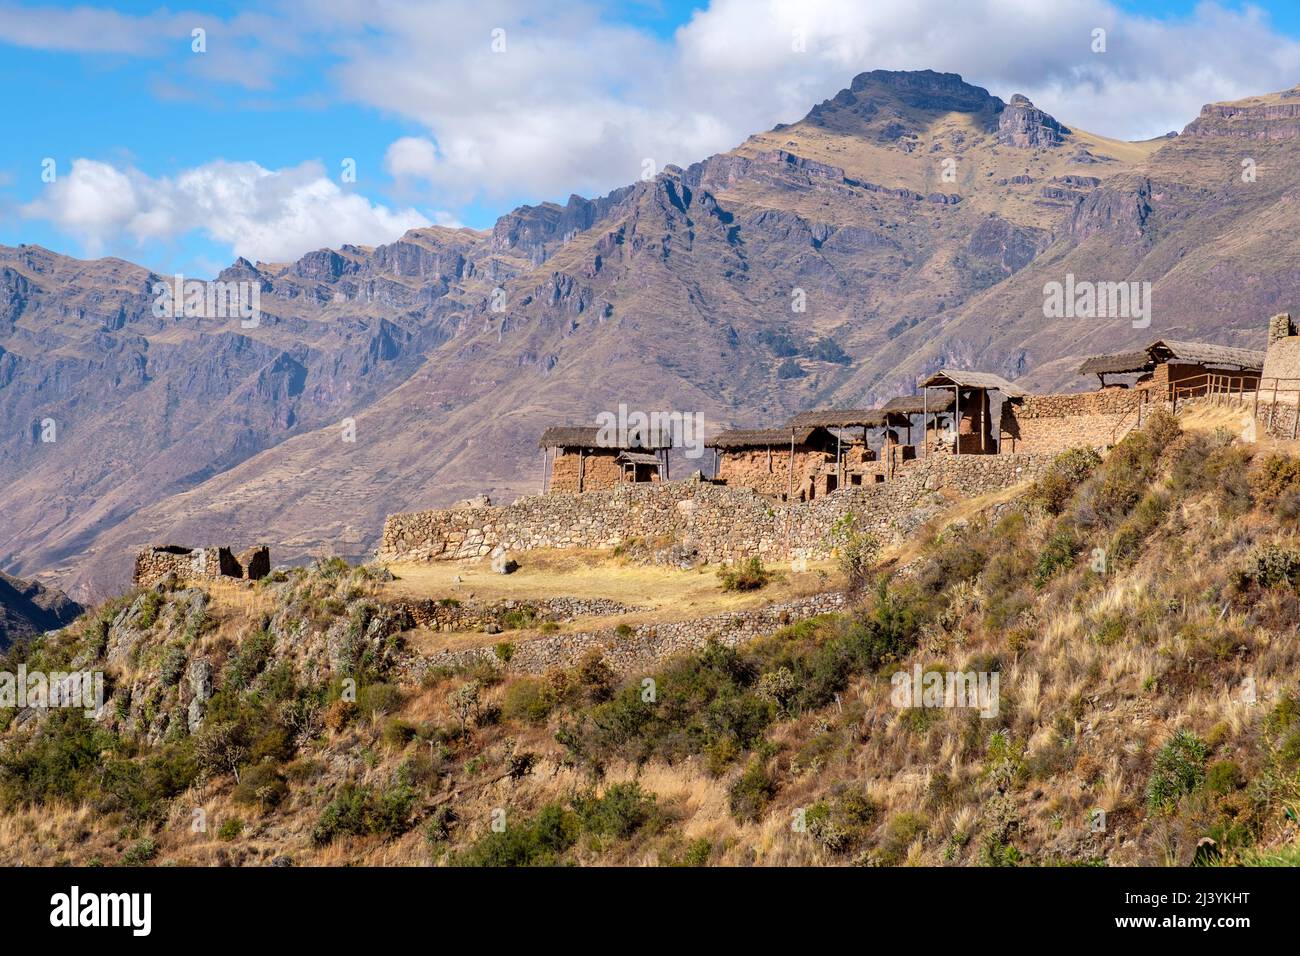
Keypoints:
(1250, 121)
(1024, 126)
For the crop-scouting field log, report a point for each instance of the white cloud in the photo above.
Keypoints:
(576, 104)
(261, 214)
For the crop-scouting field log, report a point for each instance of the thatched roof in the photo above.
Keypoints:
(954, 376)
(590, 436)
(1117, 364)
(1170, 350)
(762, 437)
(918, 404)
(1203, 353)
(839, 418)
(637, 458)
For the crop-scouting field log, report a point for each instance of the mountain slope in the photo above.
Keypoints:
(29, 608)
(913, 217)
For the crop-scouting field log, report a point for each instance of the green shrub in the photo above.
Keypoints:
(900, 832)
(539, 841)
(855, 550)
(1058, 553)
(1275, 477)
(138, 854)
(622, 810)
(528, 700)
(1272, 565)
(1224, 776)
(379, 699)
(230, 829)
(518, 618)
(358, 810)
(1066, 473)
(172, 667)
(149, 608)
(1179, 769)
(748, 575)
(247, 662)
(751, 792)
(261, 785)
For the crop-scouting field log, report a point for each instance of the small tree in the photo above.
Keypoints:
(464, 702)
(855, 550)
(220, 748)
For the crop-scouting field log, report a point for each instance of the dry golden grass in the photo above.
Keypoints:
(658, 593)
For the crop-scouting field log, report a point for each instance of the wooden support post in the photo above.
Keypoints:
(789, 485)
(956, 404)
(1295, 419)
(544, 470)
(984, 414)
(925, 420)
(582, 464)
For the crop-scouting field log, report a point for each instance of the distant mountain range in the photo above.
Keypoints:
(28, 608)
(914, 217)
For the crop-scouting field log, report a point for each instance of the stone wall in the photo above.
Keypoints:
(157, 561)
(1282, 361)
(647, 645)
(453, 615)
(768, 470)
(1049, 424)
(720, 522)
(595, 470)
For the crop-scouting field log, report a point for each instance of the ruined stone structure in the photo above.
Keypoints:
(780, 462)
(719, 522)
(1169, 370)
(584, 459)
(1049, 424)
(972, 408)
(157, 561)
(1277, 409)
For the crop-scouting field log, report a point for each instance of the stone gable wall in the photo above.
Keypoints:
(599, 470)
(749, 468)
(721, 523)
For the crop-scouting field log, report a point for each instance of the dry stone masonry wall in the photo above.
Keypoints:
(719, 522)
(647, 644)
(454, 615)
(156, 562)
(1049, 424)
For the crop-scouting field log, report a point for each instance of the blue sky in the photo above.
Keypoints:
(181, 160)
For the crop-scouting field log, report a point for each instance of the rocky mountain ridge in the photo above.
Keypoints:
(908, 222)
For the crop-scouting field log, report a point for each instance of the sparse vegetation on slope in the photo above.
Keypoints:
(1139, 615)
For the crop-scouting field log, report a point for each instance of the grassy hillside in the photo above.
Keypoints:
(1139, 614)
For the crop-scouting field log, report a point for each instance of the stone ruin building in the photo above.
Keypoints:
(157, 561)
(784, 463)
(957, 412)
(578, 458)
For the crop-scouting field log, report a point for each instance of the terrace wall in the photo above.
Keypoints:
(646, 645)
(720, 522)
